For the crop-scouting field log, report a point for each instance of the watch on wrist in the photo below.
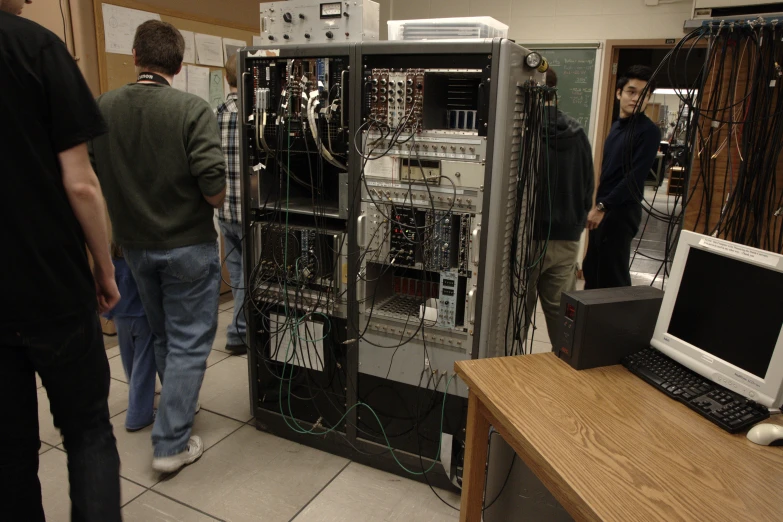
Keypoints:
(601, 207)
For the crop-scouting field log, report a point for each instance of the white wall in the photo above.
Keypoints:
(672, 101)
(555, 21)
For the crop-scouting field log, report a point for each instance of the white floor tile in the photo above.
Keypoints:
(152, 507)
(118, 402)
(117, 370)
(110, 341)
(370, 495)
(53, 474)
(228, 305)
(38, 382)
(136, 448)
(224, 319)
(540, 333)
(254, 476)
(541, 347)
(118, 397)
(111, 353)
(44, 448)
(215, 356)
(225, 389)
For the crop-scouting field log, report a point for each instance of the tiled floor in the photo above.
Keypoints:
(244, 474)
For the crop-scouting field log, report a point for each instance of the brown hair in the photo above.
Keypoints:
(231, 70)
(116, 251)
(159, 47)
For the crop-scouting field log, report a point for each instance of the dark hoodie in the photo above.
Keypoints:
(570, 170)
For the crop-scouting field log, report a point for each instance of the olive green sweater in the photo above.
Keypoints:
(161, 156)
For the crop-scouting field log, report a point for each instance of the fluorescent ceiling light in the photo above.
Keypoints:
(670, 91)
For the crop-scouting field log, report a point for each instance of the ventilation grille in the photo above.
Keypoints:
(501, 337)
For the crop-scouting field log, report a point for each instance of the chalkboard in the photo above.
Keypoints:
(575, 70)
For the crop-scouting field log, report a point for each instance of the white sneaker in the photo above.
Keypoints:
(176, 462)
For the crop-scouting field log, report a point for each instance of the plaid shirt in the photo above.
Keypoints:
(231, 211)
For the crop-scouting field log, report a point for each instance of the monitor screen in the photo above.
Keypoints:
(730, 309)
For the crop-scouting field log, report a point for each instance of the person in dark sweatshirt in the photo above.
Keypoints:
(629, 153)
(565, 197)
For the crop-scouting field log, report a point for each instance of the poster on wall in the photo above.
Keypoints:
(198, 81)
(209, 50)
(190, 46)
(216, 88)
(120, 24)
(230, 47)
(181, 80)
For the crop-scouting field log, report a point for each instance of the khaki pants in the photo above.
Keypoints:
(555, 274)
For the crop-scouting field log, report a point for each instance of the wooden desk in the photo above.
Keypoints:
(611, 447)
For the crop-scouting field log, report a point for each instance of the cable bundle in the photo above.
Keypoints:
(535, 175)
(733, 137)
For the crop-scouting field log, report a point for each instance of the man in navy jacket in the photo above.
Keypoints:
(629, 153)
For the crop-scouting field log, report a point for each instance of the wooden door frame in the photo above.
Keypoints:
(606, 96)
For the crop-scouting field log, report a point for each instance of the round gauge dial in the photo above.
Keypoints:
(331, 10)
(533, 60)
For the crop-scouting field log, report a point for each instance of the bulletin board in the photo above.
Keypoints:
(117, 70)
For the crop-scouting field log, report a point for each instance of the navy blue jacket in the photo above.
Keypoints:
(628, 158)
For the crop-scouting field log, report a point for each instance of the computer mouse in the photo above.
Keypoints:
(766, 435)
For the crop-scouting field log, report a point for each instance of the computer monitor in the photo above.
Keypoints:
(722, 316)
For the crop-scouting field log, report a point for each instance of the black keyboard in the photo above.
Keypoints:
(731, 411)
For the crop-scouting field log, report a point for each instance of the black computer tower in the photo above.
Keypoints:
(600, 327)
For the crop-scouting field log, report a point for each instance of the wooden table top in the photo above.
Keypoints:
(611, 447)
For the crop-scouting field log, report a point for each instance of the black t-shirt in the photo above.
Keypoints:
(45, 108)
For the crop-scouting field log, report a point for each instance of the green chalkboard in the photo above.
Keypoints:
(575, 70)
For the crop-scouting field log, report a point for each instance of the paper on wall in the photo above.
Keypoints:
(190, 46)
(209, 50)
(230, 47)
(198, 81)
(119, 26)
(181, 80)
(216, 88)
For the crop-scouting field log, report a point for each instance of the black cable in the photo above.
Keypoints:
(65, 30)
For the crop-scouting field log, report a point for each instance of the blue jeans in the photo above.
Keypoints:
(138, 360)
(179, 290)
(232, 236)
(70, 357)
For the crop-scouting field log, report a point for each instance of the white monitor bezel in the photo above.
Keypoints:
(766, 389)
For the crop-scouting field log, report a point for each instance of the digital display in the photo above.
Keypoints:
(731, 309)
(570, 311)
(332, 10)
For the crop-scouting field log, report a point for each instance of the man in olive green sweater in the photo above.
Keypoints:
(162, 170)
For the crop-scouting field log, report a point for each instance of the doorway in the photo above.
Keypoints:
(662, 190)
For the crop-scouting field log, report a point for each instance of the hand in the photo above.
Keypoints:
(594, 218)
(106, 289)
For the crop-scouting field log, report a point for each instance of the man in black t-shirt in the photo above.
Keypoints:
(48, 319)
